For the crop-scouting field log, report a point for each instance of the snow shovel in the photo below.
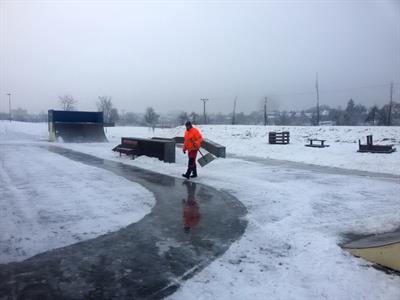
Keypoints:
(205, 159)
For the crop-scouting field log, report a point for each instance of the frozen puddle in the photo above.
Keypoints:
(147, 259)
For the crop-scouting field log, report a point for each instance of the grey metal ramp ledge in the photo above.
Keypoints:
(378, 240)
(382, 249)
(145, 260)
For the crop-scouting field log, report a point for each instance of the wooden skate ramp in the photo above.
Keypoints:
(383, 249)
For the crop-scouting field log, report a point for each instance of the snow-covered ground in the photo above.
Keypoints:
(246, 140)
(296, 217)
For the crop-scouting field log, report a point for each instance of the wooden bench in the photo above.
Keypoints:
(127, 147)
(161, 148)
(320, 143)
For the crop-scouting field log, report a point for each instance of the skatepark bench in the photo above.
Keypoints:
(214, 148)
(279, 137)
(370, 147)
(127, 147)
(163, 149)
(319, 143)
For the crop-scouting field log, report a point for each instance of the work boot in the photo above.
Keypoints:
(194, 175)
(187, 174)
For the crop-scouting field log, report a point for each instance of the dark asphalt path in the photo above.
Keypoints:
(189, 227)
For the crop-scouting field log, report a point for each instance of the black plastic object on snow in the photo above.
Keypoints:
(205, 159)
(76, 126)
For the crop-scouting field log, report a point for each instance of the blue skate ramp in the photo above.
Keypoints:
(76, 126)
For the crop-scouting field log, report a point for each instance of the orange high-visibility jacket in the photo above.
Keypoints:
(192, 139)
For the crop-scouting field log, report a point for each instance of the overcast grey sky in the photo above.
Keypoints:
(169, 54)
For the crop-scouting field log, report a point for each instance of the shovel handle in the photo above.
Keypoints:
(201, 153)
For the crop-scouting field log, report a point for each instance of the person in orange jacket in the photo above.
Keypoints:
(192, 143)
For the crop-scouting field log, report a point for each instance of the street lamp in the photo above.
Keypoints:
(9, 105)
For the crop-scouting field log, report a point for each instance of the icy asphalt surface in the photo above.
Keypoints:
(146, 260)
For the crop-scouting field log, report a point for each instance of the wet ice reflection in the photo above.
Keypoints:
(191, 209)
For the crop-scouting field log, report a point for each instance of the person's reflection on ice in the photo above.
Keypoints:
(191, 210)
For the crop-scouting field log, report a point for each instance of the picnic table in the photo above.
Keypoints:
(318, 143)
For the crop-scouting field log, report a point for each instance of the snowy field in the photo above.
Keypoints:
(296, 217)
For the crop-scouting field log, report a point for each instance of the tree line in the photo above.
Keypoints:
(352, 115)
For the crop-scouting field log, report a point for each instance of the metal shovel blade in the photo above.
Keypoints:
(205, 159)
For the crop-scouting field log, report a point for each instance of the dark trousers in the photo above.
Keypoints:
(192, 161)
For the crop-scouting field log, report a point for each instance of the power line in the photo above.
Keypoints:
(390, 105)
(317, 89)
(265, 111)
(204, 109)
(234, 112)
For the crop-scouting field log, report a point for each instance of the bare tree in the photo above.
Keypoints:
(182, 118)
(67, 102)
(372, 115)
(114, 116)
(194, 117)
(151, 117)
(105, 105)
(130, 118)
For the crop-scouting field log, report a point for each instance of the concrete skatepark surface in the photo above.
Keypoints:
(375, 240)
(145, 260)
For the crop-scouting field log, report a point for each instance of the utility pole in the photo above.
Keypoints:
(234, 112)
(390, 105)
(316, 86)
(9, 105)
(204, 109)
(265, 112)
